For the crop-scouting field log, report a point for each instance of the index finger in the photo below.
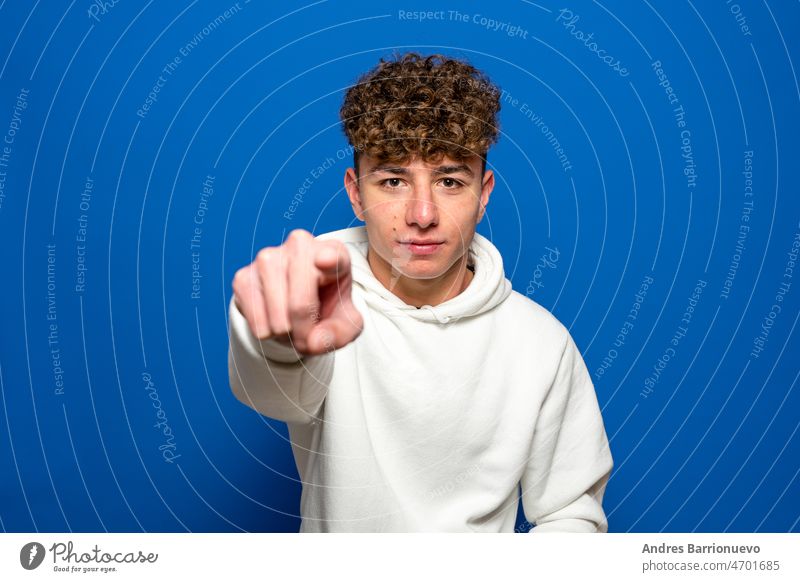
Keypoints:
(333, 261)
(303, 288)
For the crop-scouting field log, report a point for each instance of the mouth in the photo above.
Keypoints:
(422, 246)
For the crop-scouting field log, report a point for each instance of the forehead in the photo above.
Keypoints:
(471, 164)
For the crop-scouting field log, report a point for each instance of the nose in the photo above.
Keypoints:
(422, 209)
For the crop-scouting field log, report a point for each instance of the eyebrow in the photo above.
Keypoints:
(399, 170)
(388, 168)
(453, 169)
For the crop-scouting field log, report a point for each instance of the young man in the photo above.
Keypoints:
(419, 389)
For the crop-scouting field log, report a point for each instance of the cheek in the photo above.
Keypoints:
(460, 217)
(392, 219)
(387, 227)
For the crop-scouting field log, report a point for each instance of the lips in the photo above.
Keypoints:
(422, 246)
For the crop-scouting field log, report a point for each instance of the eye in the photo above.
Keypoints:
(392, 183)
(451, 183)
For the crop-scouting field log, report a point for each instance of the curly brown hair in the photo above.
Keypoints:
(421, 106)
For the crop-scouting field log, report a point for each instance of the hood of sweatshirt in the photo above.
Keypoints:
(488, 288)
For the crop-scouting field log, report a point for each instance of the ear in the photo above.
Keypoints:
(486, 190)
(354, 192)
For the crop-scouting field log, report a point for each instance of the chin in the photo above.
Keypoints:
(421, 270)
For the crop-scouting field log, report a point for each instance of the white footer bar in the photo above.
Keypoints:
(553, 556)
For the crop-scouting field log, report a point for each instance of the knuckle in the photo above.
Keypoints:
(241, 281)
(268, 259)
(297, 235)
(238, 278)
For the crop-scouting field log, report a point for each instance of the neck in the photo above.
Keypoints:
(419, 292)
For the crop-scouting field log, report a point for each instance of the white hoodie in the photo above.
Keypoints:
(432, 417)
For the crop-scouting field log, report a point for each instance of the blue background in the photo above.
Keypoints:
(710, 446)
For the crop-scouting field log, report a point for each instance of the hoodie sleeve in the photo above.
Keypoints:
(273, 378)
(570, 460)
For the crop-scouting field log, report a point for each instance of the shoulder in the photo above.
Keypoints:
(529, 315)
(536, 343)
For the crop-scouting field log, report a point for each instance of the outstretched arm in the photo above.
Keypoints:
(272, 377)
(291, 308)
